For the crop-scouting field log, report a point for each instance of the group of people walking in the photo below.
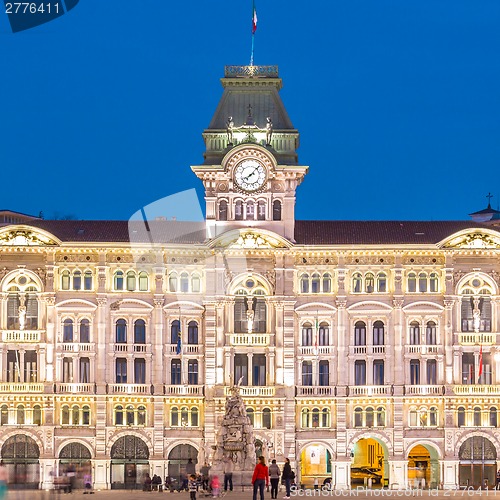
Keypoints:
(263, 475)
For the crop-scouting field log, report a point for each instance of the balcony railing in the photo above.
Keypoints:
(369, 390)
(23, 336)
(253, 391)
(129, 389)
(75, 388)
(367, 349)
(185, 349)
(130, 348)
(316, 351)
(184, 390)
(477, 338)
(476, 389)
(249, 339)
(422, 349)
(14, 387)
(424, 390)
(76, 347)
(315, 390)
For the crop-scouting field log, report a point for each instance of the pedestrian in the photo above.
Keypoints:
(215, 485)
(4, 477)
(274, 475)
(316, 483)
(193, 486)
(205, 475)
(228, 474)
(288, 477)
(497, 484)
(260, 478)
(87, 483)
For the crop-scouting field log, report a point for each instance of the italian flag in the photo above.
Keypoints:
(254, 19)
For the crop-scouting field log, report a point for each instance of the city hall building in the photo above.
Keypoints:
(356, 344)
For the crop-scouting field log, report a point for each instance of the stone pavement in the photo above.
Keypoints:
(247, 495)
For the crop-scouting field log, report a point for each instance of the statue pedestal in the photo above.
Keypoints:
(242, 480)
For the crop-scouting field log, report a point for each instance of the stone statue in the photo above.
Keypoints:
(229, 130)
(269, 130)
(22, 317)
(476, 315)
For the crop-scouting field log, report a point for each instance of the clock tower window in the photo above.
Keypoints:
(261, 210)
(250, 210)
(238, 210)
(223, 210)
(276, 210)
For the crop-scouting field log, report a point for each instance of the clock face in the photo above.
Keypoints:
(250, 175)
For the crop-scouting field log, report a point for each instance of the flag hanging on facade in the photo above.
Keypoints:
(178, 350)
(254, 19)
(480, 371)
(316, 334)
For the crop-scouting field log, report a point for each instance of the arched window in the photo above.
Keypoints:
(84, 331)
(307, 373)
(175, 329)
(4, 415)
(143, 281)
(261, 210)
(315, 417)
(461, 416)
(422, 282)
(493, 417)
(121, 331)
(184, 416)
(304, 283)
(378, 333)
(327, 283)
(184, 282)
(414, 333)
(37, 415)
(68, 330)
(412, 282)
(305, 418)
(193, 332)
(118, 280)
(307, 334)
(194, 417)
(87, 280)
(250, 210)
(77, 280)
(433, 416)
(139, 331)
(131, 284)
(238, 210)
(86, 415)
(380, 416)
(174, 416)
(195, 283)
(172, 282)
(413, 417)
(369, 283)
(75, 415)
(369, 417)
(325, 417)
(276, 210)
(477, 416)
(223, 210)
(358, 417)
(65, 280)
(381, 283)
(266, 418)
(360, 333)
(129, 415)
(141, 415)
(433, 283)
(315, 283)
(251, 415)
(476, 309)
(357, 282)
(431, 333)
(324, 334)
(193, 372)
(21, 414)
(65, 415)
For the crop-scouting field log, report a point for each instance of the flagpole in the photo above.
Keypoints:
(251, 53)
(254, 28)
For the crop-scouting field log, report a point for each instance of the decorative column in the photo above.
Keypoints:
(157, 342)
(51, 318)
(101, 341)
(449, 302)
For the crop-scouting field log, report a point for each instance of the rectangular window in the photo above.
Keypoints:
(414, 334)
(324, 373)
(431, 372)
(468, 369)
(67, 370)
(360, 372)
(414, 372)
(241, 368)
(240, 315)
(259, 369)
(84, 370)
(13, 368)
(121, 371)
(175, 372)
(307, 373)
(193, 372)
(378, 372)
(30, 367)
(139, 371)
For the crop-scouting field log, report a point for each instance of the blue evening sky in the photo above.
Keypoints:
(397, 102)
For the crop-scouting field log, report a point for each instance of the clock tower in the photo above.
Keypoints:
(251, 169)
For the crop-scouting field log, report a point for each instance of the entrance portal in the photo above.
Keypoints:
(75, 457)
(367, 463)
(177, 460)
(423, 467)
(129, 462)
(477, 463)
(315, 462)
(20, 456)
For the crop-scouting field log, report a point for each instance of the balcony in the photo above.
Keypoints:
(250, 339)
(422, 349)
(183, 390)
(76, 347)
(484, 338)
(316, 351)
(22, 336)
(369, 390)
(131, 348)
(186, 349)
(129, 389)
(424, 390)
(253, 391)
(315, 390)
(15, 387)
(367, 349)
(75, 388)
(476, 390)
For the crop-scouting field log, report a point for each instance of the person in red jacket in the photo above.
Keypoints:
(260, 478)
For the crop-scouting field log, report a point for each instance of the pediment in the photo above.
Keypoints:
(369, 305)
(26, 236)
(473, 239)
(250, 239)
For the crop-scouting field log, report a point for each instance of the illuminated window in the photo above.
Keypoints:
(77, 280)
(304, 283)
(381, 282)
(195, 283)
(357, 282)
(131, 281)
(87, 280)
(118, 280)
(65, 280)
(412, 282)
(184, 283)
(143, 281)
(327, 283)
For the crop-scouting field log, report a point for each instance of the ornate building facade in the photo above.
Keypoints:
(356, 344)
